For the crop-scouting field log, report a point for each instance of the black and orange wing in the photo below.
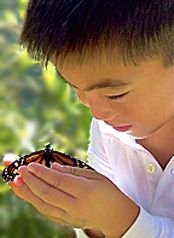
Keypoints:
(45, 157)
(10, 172)
(65, 159)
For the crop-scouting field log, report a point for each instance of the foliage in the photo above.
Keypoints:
(36, 107)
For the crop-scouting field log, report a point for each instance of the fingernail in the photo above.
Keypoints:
(19, 181)
(57, 166)
(22, 169)
(32, 167)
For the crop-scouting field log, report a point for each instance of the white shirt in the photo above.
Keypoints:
(137, 174)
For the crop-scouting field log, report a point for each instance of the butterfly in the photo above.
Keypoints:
(46, 157)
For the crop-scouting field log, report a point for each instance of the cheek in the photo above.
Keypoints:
(131, 109)
(151, 111)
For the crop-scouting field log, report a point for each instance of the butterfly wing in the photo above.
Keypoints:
(10, 172)
(65, 159)
(45, 157)
(37, 157)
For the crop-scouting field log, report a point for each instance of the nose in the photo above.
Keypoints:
(99, 110)
(98, 107)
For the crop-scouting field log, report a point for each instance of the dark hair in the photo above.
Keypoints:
(139, 29)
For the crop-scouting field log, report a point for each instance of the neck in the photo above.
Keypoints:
(161, 144)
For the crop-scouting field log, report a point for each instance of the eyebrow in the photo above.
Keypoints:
(106, 83)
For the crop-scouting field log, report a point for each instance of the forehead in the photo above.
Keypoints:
(105, 72)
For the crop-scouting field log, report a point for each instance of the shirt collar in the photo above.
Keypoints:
(125, 138)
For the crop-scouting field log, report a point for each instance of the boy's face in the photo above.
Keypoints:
(138, 100)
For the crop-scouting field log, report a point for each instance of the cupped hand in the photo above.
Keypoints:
(75, 197)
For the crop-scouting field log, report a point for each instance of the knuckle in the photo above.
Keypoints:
(43, 210)
(72, 170)
(44, 193)
(57, 182)
(64, 215)
(40, 172)
(47, 196)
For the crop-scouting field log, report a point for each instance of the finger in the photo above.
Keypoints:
(47, 192)
(26, 194)
(18, 181)
(58, 221)
(69, 183)
(15, 190)
(87, 173)
(9, 158)
(64, 223)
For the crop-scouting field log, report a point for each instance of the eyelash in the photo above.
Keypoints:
(116, 97)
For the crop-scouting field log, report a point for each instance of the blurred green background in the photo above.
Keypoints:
(36, 107)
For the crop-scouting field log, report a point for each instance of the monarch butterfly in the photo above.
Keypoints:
(45, 157)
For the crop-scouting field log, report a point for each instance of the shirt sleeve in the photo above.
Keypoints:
(147, 225)
(150, 226)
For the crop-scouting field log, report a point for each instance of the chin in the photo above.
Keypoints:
(148, 131)
(140, 135)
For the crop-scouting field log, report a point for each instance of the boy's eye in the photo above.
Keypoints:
(115, 97)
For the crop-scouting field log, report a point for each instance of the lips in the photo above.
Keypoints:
(122, 128)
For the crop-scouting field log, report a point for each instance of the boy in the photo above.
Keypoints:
(118, 55)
